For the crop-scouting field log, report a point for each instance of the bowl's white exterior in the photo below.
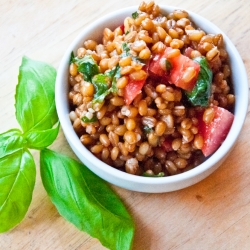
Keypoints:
(139, 183)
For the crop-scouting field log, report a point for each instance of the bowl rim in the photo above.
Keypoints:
(220, 153)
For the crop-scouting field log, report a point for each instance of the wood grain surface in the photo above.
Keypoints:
(213, 214)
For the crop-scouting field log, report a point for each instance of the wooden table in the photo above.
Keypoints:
(213, 214)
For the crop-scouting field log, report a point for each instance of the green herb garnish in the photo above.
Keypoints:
(126, 52)
(86, 65)
(147, 129)
(161, 174)
(201, 92)
(72, 57)
(135, 15)
(87, 120)
(102, 81)
(168, 65)
(114, 75)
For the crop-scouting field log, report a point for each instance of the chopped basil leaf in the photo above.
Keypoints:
(125, 49)
(127, 33)
(126, 52)
(168, 65)
(101, 83)
(201, 92)
(87, 66)
(72, 57)
(115, 75)
(147, 129)
(87, 120)
(101, 97)
(135, 15)
(161, 174)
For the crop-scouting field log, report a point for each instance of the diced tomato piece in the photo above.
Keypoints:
(188, 52)
(132, 89)
(154, 66)
(179, 65)
(146, 66)
(122, 28)
(167, 145)
(216, 131)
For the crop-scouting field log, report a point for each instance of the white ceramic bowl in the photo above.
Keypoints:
(139, 183)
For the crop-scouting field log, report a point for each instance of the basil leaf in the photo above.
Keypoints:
(87, 120)
(87, 66)
(100, 83)
(101, 97)
(125, 50)
(86, 200)
(168, 65)
(37, 139)
(35, 96)
(115, 74)
(201, 92)
(147, 129)
(72, 58)
(161, 174)
(135, 15)
(17, 179)
(10, 142)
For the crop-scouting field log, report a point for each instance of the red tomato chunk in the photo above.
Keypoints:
(183, 72)
(132, 89)
(215, 132)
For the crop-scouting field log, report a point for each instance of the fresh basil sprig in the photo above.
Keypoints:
(86, 200)
(201, 92)
(80, 196)
(36, 114)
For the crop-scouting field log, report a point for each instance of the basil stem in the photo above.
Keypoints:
(36, 114)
